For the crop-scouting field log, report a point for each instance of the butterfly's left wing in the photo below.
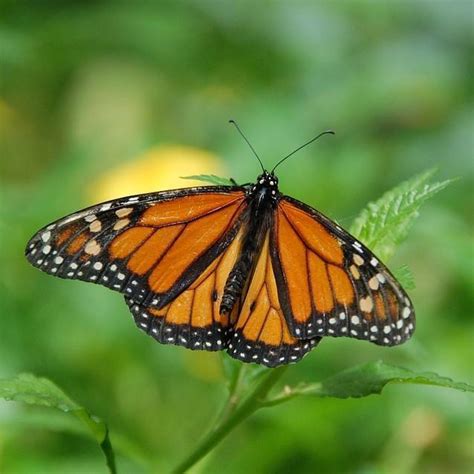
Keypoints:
(330, 284)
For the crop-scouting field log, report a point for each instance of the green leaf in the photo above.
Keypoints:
(28, 388)
(211, 178)
(404, 275)
(385, 223)
(368, 379)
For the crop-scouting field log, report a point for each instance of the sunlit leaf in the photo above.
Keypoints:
(384, 224)
(28, 388)
(404, 275)
(211, 178)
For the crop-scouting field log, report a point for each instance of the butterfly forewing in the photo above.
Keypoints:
(150, 247)
(332, 285)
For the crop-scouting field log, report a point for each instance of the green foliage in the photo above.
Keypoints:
(210, 178)
(405, 276)
(356, 382)
(32, 390)
(369, 379)
(77, 106)
(384, 224)
(372, 377)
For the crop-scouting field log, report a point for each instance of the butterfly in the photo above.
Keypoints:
(244, 269)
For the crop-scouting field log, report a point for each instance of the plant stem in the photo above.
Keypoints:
(234, 395)
(289, 393)
(253, 401)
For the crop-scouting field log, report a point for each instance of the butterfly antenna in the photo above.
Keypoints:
(327, 132)
(234, 123)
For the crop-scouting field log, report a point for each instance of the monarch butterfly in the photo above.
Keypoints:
(239, 268)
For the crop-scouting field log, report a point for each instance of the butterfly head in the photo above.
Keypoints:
(267, 180)
(266, 185)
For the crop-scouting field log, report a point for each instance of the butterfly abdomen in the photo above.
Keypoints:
(235, 283)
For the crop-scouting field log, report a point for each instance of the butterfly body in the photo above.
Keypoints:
(239, 268)
(262, 200)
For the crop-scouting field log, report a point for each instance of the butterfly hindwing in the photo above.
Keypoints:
(255, 331)
(332, 285)
(149, 247)
(193, 318)
(260, 334)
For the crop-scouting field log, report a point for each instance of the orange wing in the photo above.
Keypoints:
(193, 319)
(150, 247)
(331, 285)
(256, 331)
(260, 333)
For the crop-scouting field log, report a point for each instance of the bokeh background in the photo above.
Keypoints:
(100, 99)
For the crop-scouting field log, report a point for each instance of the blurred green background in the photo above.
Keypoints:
(87, 87)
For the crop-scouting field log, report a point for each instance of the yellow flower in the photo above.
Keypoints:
(157, 169)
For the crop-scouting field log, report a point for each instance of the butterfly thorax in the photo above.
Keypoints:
(265, 189)
(263, 197)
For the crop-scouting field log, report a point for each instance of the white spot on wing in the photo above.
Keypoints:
(366, 304)
(90, 218)
(374, 283)
(125, 211)
(45, 236)
(121, 223)
(96, 226)
(355, 320)
(92, 247)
